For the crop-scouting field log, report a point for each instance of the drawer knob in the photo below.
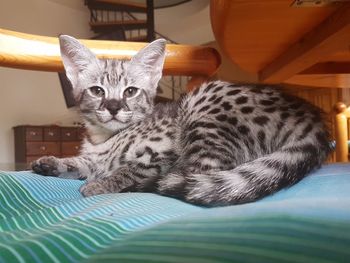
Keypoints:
(32, 133)
(68, 134)
(76, 147)
(51, 133)
(43, 148)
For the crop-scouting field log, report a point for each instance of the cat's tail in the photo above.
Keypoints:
(249, 181)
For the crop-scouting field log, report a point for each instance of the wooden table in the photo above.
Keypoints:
(283, 43)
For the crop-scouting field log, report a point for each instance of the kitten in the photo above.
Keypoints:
(221, 144)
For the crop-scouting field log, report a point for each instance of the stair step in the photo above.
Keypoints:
(141, 38)
(117, 5)
(111, 25)
(118, 35)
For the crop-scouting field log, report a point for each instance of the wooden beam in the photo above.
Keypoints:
(330, 36)
(321, 80)
(25, 51)
(328, 68)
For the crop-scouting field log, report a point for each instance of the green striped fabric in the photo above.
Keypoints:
(45, 219)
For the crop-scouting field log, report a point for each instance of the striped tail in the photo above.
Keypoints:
(249, 181)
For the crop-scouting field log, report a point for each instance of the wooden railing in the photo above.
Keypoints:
(342, 132)
(34, 52)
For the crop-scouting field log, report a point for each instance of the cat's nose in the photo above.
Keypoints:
(113, 106)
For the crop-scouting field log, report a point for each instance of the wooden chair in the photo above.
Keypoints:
(26, 51)
(342, 132)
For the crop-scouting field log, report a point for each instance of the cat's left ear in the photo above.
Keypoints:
(150, 60)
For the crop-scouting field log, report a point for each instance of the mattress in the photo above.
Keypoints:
(45, 219)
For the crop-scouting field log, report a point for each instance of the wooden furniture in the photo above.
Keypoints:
(26, 51)
(342, 129)
(32, 142)
(286, 43)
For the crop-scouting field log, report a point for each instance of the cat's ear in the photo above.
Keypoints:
(150, 60)
(76, 58)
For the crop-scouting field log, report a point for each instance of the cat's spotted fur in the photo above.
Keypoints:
(221, 144)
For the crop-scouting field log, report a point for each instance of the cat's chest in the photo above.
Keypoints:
(152, 144)
(149, 147)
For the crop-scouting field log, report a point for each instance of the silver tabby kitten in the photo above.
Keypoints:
(221, 144)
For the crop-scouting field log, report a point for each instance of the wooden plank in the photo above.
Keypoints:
(328, 68)
(34, 52)
(330, 36)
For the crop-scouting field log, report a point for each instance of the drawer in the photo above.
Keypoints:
(70, 148)
(52, 134)
(34, 134)
(43, 148)
(69, 134)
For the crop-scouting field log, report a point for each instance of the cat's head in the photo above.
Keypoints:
(112, 94)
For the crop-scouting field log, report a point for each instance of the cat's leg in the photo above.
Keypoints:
(191, 182)
(122, 180)
(211, 150)
(78, 166)
(202, 155)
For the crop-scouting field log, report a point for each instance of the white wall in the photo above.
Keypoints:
(31, 97)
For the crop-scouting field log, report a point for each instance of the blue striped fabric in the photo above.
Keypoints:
(45, 219)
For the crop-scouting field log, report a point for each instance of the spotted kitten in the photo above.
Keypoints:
(221, 144)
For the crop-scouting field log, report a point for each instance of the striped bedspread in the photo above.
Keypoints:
(45, 219)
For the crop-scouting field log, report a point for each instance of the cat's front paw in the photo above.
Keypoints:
(47, 165)
(92, 188)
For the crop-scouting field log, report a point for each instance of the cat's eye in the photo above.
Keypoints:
(130, 92)
(97, 91)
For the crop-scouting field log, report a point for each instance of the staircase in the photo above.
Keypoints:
(124, 20)
(110, 16)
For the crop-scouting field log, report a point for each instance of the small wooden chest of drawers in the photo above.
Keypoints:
(32, 142)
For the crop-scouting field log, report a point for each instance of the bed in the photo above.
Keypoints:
(45, 219)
